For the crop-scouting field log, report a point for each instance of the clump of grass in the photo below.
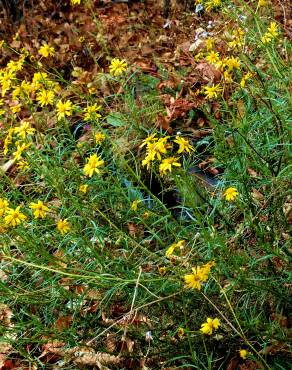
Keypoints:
(105, 264)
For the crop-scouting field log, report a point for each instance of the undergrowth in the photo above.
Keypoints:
(125, 260)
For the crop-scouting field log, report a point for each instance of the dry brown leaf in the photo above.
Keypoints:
(208, 72)
(135, 230)
(80, 355)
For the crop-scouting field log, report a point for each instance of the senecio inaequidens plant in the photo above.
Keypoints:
(172, 242)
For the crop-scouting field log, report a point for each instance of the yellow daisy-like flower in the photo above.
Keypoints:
(83, 188)
(92, 165)
(134, 205)
(24, 129)
(210, 43)
(184, 145)
(22, 165)
(212, 57)
(14, 217)
(63, 226)
(75, 2)
(194, 280)
(243, 353)
(199, 276)
(232, 63)
(3, 206)
(273, 29)
(39, 79)
(99, 137)
(64, 109)
(117, 67)
(180, 332)
(162, 270)
(208, 327)
(246, 77)
(46, 51)
(179, 245)
(45, 97)
(167, 164)
(212, 4)
(40, 209)
(16, 108)
(19, 150)
(91, 112)
(212, 91)
(230, 194)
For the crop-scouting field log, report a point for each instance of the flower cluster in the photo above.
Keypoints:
(271, 34)
(12, 217)
(157, 147)
(198, 276)
(19, 138)
(209, 326)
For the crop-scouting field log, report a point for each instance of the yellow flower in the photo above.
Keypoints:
(99, 137)
(230, 194)
(3, 206)
(212, 4)
(16, 108)
(162, 270)
(237, 39)
(266, 38)
(199, 275)
(232, 63)
(246, 77)
(91, 112)
(166, 165)
(134, 205)
(83, 188)
(39, 79)
(117, 67)
(22, 165)
(92, 165)
(180, 332)
(271, 33)
(184, 145)
(40, 209)
(170, 250)
(194, 280)
(75, 2)
(46, 51)
(209, 326)
(210, 43)
(45, 97)
(273, 29)
(262, 3)
(63, 226)
(19, 150)
(180, 244)
(64, 109)
(227, 77)
(212, 91)
(212, 57)
(24, 129)
(243, 353)
(8, 140)
(14, 217)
